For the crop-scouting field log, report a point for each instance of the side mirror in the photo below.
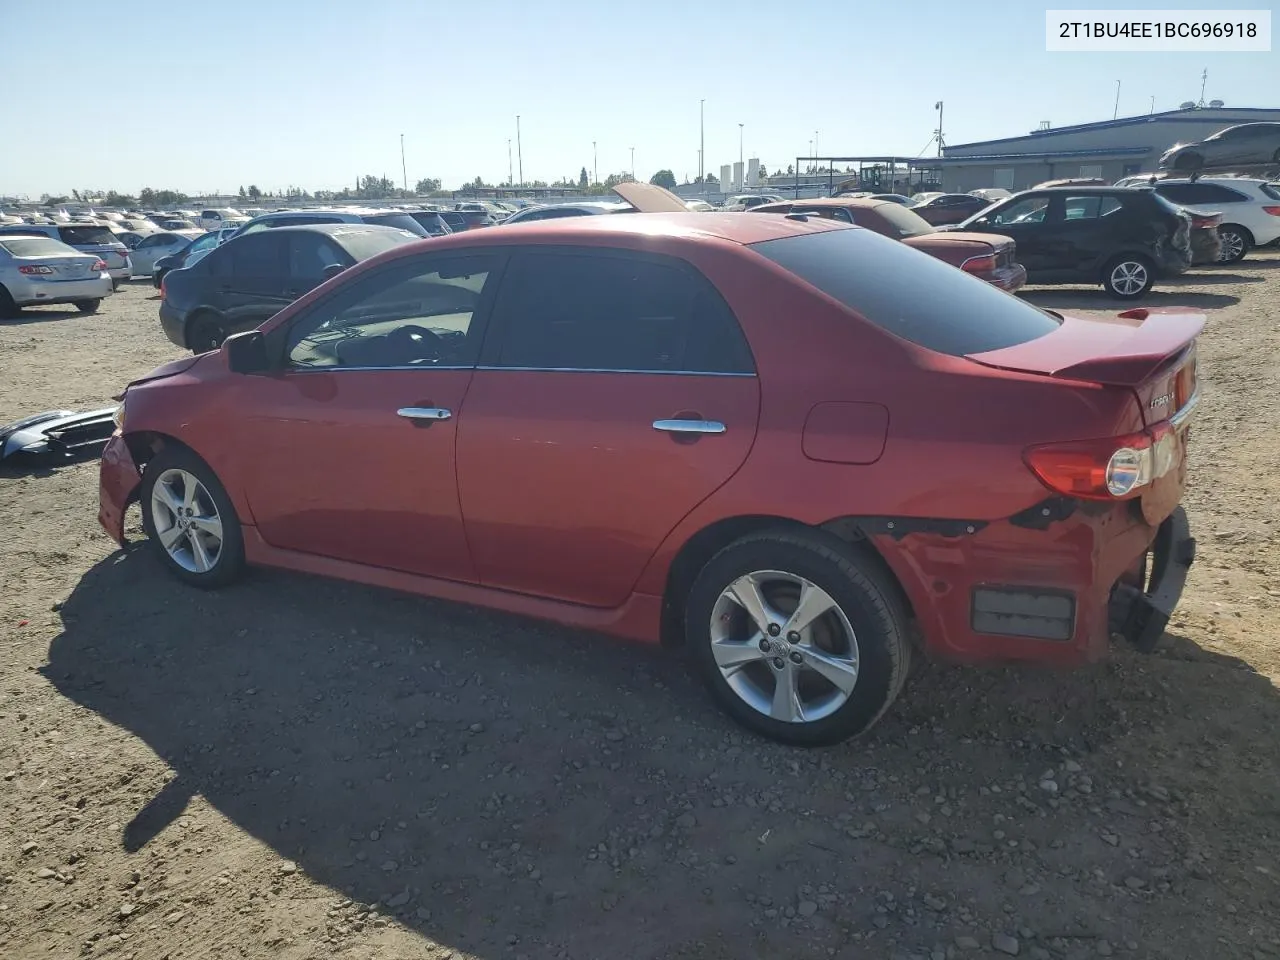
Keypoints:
(246, 352)
(332, 270)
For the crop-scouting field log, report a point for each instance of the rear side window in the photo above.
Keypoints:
(620, 313)
(261, 254)
(86, 236)
(940, 308)
(1198, 193)
(1089, 206)
(400, 220)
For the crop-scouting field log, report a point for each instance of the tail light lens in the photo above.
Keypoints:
(31, 271)
(1114, 468)
(98, 266)
(979, 264)
(1201, 223)
(163, 280)
(1274, 211)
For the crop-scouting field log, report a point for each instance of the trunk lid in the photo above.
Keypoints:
(1151, 353)
(649, 197)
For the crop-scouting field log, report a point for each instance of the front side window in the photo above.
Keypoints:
(310, 254)
(595, 312)
(419, 313)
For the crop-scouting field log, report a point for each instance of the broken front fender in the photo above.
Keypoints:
(118, 482)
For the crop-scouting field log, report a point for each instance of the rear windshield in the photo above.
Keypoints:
(84, 236)
(363, 244)
(1272, 190)
(36, 247)
(908, 293)
(401, 220)
(905, 223)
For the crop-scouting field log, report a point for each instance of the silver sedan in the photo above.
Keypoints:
(36, 270)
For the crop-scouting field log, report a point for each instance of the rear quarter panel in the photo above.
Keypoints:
(953, 250)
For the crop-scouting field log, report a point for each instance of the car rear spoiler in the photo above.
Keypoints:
(1116, 353)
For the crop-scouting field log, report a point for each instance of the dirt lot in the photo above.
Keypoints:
(297, 769)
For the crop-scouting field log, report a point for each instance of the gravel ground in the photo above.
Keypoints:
(300, 769)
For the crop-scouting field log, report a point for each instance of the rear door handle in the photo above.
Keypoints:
(424, 413)
(689, 426)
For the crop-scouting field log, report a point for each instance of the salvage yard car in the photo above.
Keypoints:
(90, 238)
(243, 281)
(645, 450)
(40, 270)
(988, 256)
(1121, 238)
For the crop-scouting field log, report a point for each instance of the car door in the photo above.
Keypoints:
(251, 279)
(615, 394)
(1087, 229)
(353, 437)
(1024, 219)
(149, 250)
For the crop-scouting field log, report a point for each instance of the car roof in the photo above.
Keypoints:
(332, 229)
(1075, 191)
(834, 202)
(730, 227)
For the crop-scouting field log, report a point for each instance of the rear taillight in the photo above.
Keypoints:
(1274, 211)
(1201, 223)
(98, 266)
(162, 283)
(979, 264)
(35, 271)
(1114, 468)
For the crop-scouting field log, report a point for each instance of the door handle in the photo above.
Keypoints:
(689, 426)
(424, 413)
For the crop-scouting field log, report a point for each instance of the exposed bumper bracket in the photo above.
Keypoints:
(1142, 616)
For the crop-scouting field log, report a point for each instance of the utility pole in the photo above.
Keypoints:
(815, 147)
(1116, 112)
(938, 106)
(633, 163)
(511, 173)
(519, 152)
(1153, 104)
(702, 143)
(1204, 78)
(404, 171)
(595, 164)
(740, 148)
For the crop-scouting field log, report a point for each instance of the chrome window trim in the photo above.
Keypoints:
(336, 369)
(668, 373)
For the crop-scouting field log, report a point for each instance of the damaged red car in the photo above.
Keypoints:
(789, 445)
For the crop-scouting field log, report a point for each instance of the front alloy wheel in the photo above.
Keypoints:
(186, 521)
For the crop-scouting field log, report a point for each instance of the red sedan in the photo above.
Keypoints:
(746, 434)
(990, 256)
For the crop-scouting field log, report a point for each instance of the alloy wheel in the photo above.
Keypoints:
(784, 646)
(186, 521)
(1128, 277)
(1232, 247)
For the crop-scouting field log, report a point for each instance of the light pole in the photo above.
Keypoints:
(702, 143)
(404, 171)
(519, 152)
(740, 146)
(511, 174)
(815, 148)
(595, 164)
(938, 106)
(633, 163)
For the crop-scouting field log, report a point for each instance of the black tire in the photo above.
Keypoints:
(158, 278)
(229, 563)
(864, 596)
(1236, 242)
(88, 306)
(115, 285)
(8, 309)
(1121, 272)
(204, 332)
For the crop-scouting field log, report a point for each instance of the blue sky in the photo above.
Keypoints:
(203, 97)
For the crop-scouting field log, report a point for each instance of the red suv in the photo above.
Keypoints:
(777, 441)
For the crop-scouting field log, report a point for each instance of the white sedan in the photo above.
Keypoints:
(152, 248)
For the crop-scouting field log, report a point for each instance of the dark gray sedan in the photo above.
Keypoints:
(1244, 145)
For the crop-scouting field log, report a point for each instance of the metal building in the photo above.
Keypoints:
(1111, 149)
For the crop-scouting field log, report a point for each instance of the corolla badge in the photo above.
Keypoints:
(1163, 400)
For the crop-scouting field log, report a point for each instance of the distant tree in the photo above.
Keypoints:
(76, 194)
(583, 182)
(664, 178)
(613, 179)
(791, 170)
(253, 192)
(478, 183)
(763, 172)
(711, 178)
(242, 193)
(113, 199)
(150, 197)
(427, 185)
(538, 183)
(53, 200)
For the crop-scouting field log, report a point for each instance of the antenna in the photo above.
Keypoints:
(1204, 78)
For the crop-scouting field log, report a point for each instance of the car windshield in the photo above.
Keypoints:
(87, 235)
(401, 220)
(36, 247)
(941, 308)
(363, 244)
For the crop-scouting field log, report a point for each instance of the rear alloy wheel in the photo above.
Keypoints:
(191, 520)
(88, 306)
(1128, 277)
(797, 638)
(1236, 242)
(204, 333)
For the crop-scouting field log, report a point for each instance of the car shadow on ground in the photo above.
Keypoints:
(1068, 298)
(41, 315)
(506, 786)
(1209, 277)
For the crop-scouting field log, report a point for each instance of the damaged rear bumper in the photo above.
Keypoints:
(1140, 616)
(118, 482)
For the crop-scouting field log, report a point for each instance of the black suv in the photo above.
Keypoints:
(1122, 238)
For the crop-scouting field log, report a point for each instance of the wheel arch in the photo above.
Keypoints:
(699, 548)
